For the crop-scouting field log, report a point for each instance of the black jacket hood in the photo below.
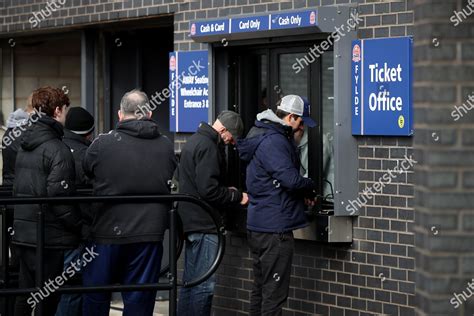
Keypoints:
(43, 129)
(144, 128)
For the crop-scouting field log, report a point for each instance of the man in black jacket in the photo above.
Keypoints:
(44, 167)
(132, 159)
(17, 122)
(77, 136)
(201, 173)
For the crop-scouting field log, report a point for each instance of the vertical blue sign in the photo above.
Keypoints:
(356, 88)
(382, 87)
(189, 83)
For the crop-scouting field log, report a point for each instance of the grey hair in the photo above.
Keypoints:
(135, 102)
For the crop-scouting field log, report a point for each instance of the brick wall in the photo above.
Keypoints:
(373, 275)
(444, 145)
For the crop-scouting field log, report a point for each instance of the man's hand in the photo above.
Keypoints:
(245, 199)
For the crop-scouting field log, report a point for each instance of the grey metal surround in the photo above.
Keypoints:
(345, 145)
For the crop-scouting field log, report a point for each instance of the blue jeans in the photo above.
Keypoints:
(136, 263)
(71, 304)
(201, 250)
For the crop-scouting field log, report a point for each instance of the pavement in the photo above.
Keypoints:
(161, 308)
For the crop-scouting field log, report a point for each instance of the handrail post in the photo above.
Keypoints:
(39, 257)
(173, 261)
(5, 261)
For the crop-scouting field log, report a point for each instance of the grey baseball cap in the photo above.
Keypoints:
(292, 104)
(232, 122)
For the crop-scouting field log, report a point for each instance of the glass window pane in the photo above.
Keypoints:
(290, 81)
(264, 99)
(328, 121)
(295, 83)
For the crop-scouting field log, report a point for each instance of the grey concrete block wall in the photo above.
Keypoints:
(444, 203)
(373, 275)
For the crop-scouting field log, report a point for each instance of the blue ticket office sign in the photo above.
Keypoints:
(382, 78)
(189, 86)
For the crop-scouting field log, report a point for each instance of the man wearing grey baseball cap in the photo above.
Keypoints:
(201, 173)
(277, 194)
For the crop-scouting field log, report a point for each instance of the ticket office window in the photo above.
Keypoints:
(254, 79)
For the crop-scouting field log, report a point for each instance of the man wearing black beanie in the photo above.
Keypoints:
(77, 136)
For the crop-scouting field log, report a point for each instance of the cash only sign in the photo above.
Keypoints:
(382, 87)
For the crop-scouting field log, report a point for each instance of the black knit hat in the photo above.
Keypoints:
(79, 121)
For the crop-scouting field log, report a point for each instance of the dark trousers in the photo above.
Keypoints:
(200, 252)
(136, 263)
(71, 304)
(272, 255)
(7, 305)
(53, 267)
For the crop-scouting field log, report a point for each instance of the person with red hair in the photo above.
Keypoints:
(44, 167)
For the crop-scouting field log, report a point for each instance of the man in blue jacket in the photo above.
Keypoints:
(277, 195)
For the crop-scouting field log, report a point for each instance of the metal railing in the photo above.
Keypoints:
(170, 286)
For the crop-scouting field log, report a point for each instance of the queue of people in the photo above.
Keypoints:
(56, 154)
